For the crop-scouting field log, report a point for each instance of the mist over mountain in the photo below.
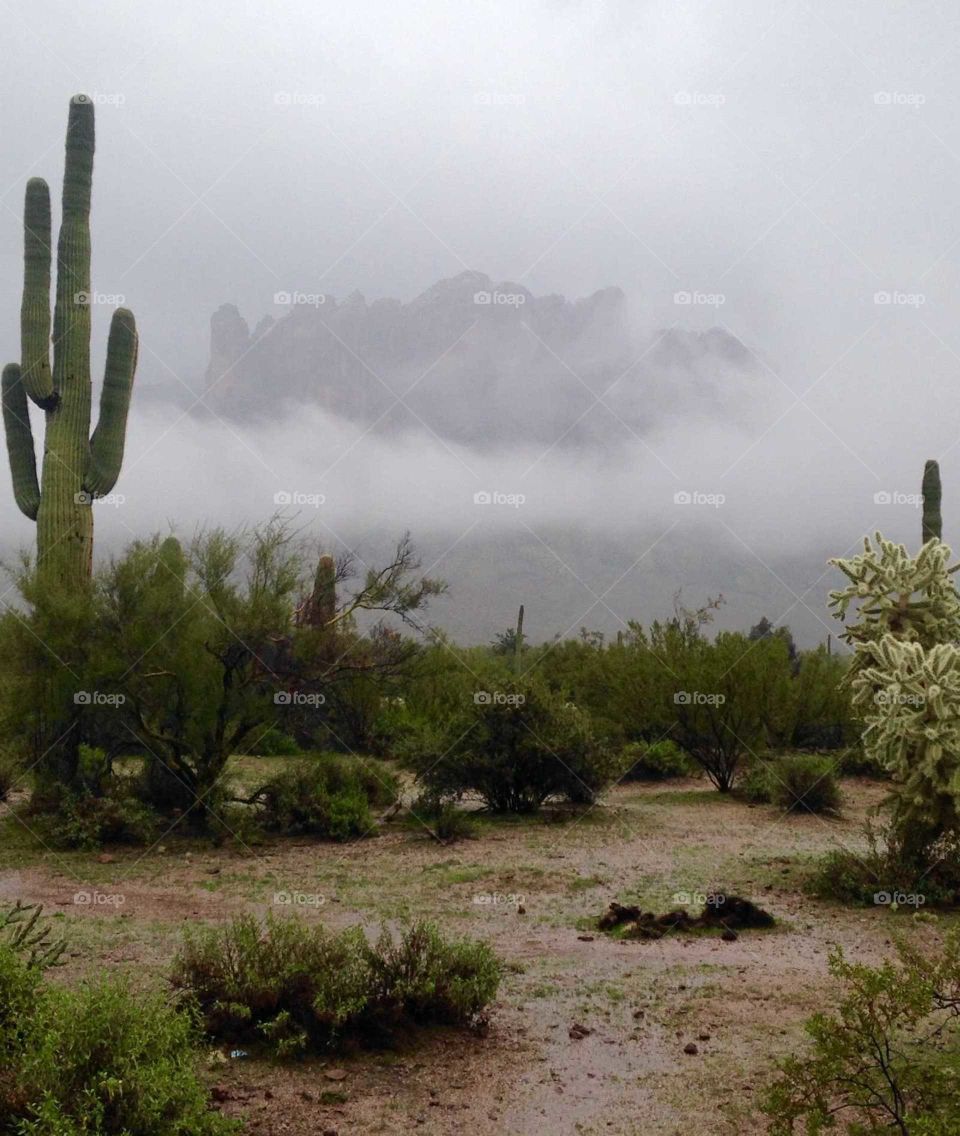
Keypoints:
(476, 362)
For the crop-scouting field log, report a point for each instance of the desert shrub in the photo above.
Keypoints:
(517, 747)
(95, 1061)
(444, 821)
(295, 987)
(83, 820)
(273, 743)
(327, 795)
(885, 1060)
(10, 773)
(880, 873)
(656, 761)
(802, 783)
(856, 761)
(753, 784)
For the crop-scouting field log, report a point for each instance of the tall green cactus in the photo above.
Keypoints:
(932, 520)
(77, 468)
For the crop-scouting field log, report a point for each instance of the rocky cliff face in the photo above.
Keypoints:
(474, 362)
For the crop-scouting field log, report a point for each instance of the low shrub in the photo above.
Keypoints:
(444, 820)
(517, 748)
(803, 783)
(9, 775)
(274, 743)
(886, 1059)
(753, 785)
(295, 988)
(95, 1061)
(657, 761)
(327, 795)
(87, 822)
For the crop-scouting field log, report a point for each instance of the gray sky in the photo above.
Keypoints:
(794, 159)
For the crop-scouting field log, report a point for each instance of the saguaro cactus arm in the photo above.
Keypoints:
(932, 519)
(35, 305)
(106, 445)
(23, 458)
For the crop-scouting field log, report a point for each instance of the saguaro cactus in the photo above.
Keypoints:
(77, 468)
(932, 520)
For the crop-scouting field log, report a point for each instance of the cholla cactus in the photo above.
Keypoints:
(905, 679)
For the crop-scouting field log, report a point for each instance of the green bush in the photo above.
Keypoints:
(85, 821)
(273, 743)
(444, 820)
(9, 775)
(295, 987)
(95, 1061)
(657, 761)
(886, 1059)
(754, 783)
(516, 747)
(803, 783)
(327, 795)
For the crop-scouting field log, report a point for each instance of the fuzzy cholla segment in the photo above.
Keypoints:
(905, 675)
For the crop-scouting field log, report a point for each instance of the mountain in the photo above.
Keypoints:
(476, 363)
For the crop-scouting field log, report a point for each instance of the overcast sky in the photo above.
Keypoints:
(792, 159)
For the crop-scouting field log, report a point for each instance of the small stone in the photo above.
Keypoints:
(729, 936)
(703, 1037)
(521, 910)
(578, 1032)
(586, 938)
(691, 1048)
(105, 858)
(335, 1074)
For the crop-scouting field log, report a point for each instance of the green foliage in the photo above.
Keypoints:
(295, 987)
(444, 820)
(887, 1059)
(802, 783)
(518, 746)
(87, 821)
(657, 761)
(95, 1061)
(24, 931)
(327, 795)
(273, 743)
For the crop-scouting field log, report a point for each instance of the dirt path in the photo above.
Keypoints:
(640, 1004)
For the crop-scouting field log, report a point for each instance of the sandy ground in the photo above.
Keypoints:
(741, 1003)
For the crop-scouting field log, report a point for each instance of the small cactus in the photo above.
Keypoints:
(932, 520)
(77, 468)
